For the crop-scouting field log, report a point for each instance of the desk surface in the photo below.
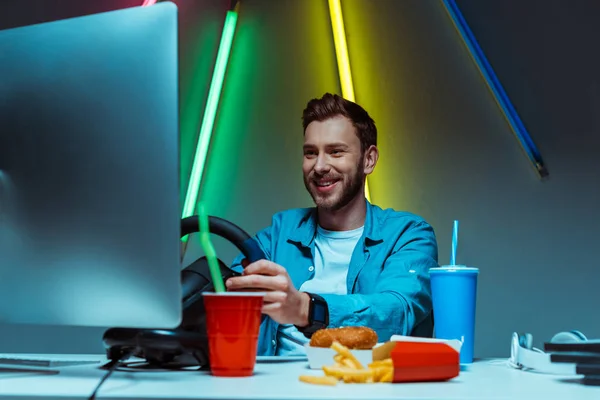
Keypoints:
(279, 380)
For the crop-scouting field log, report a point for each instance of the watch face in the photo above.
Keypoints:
(318, 312)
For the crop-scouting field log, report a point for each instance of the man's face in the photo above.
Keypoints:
(333, 163)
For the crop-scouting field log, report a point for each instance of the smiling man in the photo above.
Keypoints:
(344, 262)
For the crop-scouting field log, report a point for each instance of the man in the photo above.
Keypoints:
(344, 262)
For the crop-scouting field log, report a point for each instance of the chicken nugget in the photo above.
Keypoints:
(353, 337)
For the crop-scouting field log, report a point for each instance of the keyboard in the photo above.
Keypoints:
(49, 360)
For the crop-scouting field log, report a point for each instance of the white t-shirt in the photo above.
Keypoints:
(333, 251)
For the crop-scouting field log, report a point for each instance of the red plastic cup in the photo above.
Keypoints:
(232, 325)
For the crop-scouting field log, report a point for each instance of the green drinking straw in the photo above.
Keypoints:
(209, 250)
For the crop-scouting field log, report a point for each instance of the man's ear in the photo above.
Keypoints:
(370, 159)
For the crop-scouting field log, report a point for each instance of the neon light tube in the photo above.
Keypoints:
(496, 88)
(210, 112)
(341, 51)
(148, 3)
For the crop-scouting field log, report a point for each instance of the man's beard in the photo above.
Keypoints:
(351, 187)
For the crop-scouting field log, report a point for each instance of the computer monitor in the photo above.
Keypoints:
(89, 171)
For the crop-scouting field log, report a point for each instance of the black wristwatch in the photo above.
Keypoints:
(318, 315)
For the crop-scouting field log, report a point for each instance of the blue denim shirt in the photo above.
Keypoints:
(388, 276)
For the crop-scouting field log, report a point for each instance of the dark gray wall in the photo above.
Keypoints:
(537, 241)
(446, 150)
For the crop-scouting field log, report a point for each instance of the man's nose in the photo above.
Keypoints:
(322, 165)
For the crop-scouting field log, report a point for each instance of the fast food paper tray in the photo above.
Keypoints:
(322, 356)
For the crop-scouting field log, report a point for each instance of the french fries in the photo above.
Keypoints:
(319, 380)
(348, 369)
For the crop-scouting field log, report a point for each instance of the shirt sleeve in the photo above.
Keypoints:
(263, 238)
(401, 298)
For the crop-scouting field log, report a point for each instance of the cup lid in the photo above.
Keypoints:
(454, 268)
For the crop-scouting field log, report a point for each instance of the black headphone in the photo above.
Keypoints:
(186, 345)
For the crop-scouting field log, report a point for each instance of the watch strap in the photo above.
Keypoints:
(318, 315)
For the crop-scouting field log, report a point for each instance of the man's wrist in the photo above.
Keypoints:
(303, 309)
(318, 315)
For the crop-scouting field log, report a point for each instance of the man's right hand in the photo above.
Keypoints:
(282, 302)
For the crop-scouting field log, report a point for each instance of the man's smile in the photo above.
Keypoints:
(325, 185)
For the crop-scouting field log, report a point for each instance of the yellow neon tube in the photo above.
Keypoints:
(343, 61)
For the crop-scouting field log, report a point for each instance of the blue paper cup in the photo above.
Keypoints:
(454, 294)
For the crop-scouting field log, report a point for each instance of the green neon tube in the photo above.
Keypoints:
(210, 112)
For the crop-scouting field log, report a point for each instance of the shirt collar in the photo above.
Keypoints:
(305, 231)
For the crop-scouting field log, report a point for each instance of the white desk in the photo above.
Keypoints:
(279, 380)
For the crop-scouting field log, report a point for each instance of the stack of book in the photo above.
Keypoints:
(586, 356)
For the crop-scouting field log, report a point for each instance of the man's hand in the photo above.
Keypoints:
(283, 302)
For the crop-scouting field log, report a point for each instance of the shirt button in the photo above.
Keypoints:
(311, 268)
(273, 342)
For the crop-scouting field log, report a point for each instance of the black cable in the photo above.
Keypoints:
(112, 365)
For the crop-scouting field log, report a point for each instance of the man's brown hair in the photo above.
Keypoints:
(332, 105)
